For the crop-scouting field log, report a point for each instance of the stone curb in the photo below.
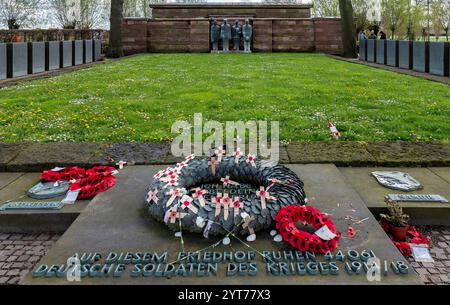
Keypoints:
(47, 74)
(428, 76)
(35, 157)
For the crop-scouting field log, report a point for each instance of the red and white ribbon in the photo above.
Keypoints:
(153, 196)
(237, 205)
(213, 164)
(333, 130)
(182, 164)
(172, 214)
(251, 160)
(217, 200)
(189, 158)
(186, 202)
(237, 155)
(264, 194)
(159, 174)
(227, 181)
(219, 152)
(198, 194)
(226, 201)
(171, 182)
(168, 178)
(173, 171)
(174, 193)
(121, 164)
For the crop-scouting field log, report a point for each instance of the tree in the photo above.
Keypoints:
(79, 14)
(393, 13)
(415, 19)
(115, 33)
(348, 28)
(326, 8)
(17, 14)
(360, 11)
(141, 8)
(441, 17)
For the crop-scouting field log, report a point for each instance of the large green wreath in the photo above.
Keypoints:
(288, 190)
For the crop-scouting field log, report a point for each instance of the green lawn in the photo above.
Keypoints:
(140, 97)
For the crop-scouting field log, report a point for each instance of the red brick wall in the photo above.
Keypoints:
(134, 36)
(262, 35)
(328, 35)
(293, 35)
(206, 10)
(168, 35)
(269, 35)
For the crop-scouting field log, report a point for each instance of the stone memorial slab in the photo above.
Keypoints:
(405, 51)
(397, 180)
(417, 198)
(13, 187)
(97, 50)
(36, 57)
(65, 54)
(422, 213)
(363, 49)
(439, 58)
(3, 60)
(88, 51)
(17, 54)
(113, 228)
(52, 55)
(421, 56)
(32, 205)
(392, 53)
(45, 190)
(371, 50)
(77, 52)
(381, 51)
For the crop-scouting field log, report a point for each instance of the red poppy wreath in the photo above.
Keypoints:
(287, 218)
(90, 182)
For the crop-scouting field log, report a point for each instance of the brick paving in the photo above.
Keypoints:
(19, 253)
(438, 272)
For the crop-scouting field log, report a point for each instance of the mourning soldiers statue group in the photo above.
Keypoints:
(226, 32)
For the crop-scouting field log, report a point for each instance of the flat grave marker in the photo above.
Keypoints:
(421, 56)
(3, 60)
(65, 53)
(17, 59)
(52, 55)
(405, 50)
(392, 53)
(36, 57)
(439, 58)
(77, 52)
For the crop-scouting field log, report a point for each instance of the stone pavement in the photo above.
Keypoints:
(19, 253)
(26, 157)
(438, 272)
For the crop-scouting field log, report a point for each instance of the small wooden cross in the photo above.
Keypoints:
(198, 194)
(264, 195)
(172, 214)
(152, 196)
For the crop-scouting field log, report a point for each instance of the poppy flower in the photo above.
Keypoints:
(351, 232)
